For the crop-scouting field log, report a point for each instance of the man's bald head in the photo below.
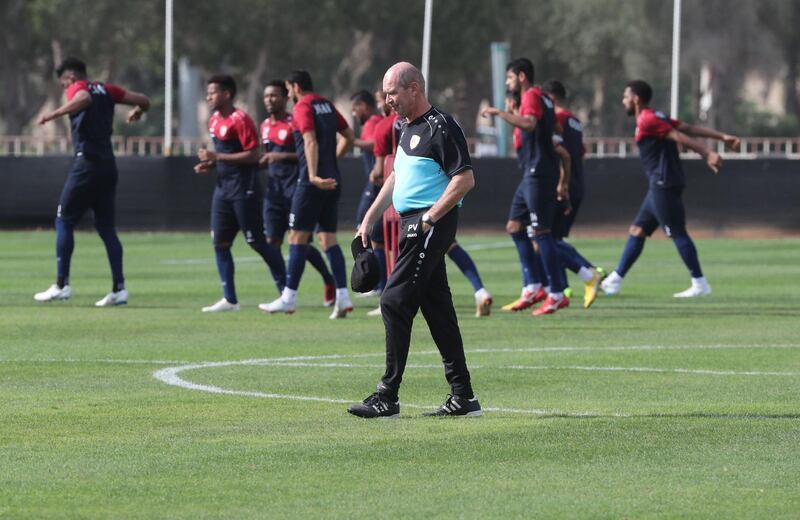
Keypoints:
(404, 86)
(404, 74)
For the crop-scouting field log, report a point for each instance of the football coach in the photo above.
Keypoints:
(432, 173)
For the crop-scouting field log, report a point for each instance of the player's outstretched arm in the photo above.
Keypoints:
(713, 160)
(526, 123)
(80, 101)
(366, 145)
(138, 101)
(731, 141)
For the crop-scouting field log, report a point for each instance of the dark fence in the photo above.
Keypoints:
(164, 194)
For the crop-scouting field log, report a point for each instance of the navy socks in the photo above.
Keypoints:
(65, 244)
(633, 248)
(297, 263)
(467, 266)
(336, 259)
(225, 269)
(114, 252)
(552, 266)
(571, 258)
(689, 254)
(314, 258)
(527, 257)
(274, 260)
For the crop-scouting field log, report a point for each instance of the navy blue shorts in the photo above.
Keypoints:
(563, 223)
(229, 216)
(662, 207)
(534, 202)
(91, 184)
(277, 206)
(313, 208)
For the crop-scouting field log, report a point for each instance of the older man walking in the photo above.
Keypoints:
(432, 173)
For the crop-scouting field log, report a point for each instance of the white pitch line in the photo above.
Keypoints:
(170, 376)
(300, 364)
(98, 361)
(490, 245)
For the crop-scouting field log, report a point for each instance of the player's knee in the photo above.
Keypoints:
(452, 246)
(275, 241)
(637, 231)
(327, 240)
(222, 244)
(513, 226)
(377, 245)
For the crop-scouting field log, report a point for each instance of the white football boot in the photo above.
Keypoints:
(279, 305)
(611, 284)
(342, 306)
(53, 293)
(113, 298)
(222, 306)
(698, 288)
(483, 303)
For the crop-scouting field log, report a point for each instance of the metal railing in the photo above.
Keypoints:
(596, 147)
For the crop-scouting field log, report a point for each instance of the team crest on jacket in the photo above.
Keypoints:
(282, 133)
(414, 141)
(223, 130)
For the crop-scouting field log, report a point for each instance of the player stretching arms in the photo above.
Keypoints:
(572, 134)
(237, 201)
(92, 180)
(658, 137)
(280, 160)
(316, 199)
(536, 197)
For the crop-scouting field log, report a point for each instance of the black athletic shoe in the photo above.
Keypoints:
(456, 406)
(374, 406)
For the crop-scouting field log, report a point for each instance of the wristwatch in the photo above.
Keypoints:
(426, 219)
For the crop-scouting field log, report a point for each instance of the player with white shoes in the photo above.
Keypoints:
(315, 204)
(92, 181)
(658, 137)
(280, 162)
(237, 201)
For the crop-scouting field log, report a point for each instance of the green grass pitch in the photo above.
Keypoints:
(642, 407)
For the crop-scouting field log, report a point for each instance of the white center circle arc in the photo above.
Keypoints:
(171, 375)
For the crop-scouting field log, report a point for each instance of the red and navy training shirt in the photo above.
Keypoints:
(659, 155)
(538, 155)
(385, 142)
(313, 113)
(233, 134)
(92, 127)
(278, 136)
(368, 134)
(572, 133)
